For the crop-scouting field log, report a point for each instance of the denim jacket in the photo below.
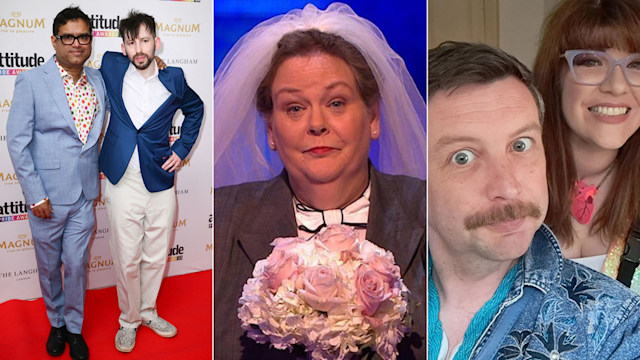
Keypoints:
(573, 312)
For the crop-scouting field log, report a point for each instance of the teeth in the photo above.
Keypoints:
(609, 111)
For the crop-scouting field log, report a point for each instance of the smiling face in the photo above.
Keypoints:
(486, 181)
(142, 49)
(74, 55)
(602, 116)
(320, 125)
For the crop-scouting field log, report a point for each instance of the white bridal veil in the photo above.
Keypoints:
(241, 153)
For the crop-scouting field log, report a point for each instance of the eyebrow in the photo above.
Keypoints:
(448, 140)
(292, 90)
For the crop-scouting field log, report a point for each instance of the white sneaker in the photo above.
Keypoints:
(125, 339)
(161, 327)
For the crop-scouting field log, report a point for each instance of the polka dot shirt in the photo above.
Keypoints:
(83, 102)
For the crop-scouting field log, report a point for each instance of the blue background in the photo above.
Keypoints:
(402, 22)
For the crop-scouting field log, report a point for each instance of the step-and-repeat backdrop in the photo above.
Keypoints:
(185, 31)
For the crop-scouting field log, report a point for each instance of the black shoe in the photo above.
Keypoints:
(55, 343)
(78, 349)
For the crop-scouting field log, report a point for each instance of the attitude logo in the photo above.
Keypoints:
(98, 264)
(105, 27)
(13, 63)
(14, 210)
(9, 178)
(22, 243)
(210, 221)
(174, 133)
(18, 24)
(177, 28)
(176, 253)
(5, 105)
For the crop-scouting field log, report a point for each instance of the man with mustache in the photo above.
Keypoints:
(498, 285)
(140, 164)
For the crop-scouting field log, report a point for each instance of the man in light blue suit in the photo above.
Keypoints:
(52, 133)
(140, 164)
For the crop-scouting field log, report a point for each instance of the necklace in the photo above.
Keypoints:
(582, 206)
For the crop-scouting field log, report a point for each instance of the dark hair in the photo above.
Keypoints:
(131, 24)
(308, 42)
(595, 25)
(68, 14)
(455, 64)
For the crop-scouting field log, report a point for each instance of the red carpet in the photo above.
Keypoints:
(184, 300)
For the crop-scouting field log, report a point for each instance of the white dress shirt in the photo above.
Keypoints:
(142, 97)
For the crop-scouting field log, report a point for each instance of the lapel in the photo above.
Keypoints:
(391, 225)
(53, 80)
(96, 128)
(121, 63)
(272, 217)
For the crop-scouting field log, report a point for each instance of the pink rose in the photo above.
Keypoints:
(280, 266)
(320, 287)
(372, 289)
(286, 243)
(384, 265)
(339, 238)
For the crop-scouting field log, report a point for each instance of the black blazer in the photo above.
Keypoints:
(247, 217)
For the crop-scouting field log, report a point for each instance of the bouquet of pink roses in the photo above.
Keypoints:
(335, 294)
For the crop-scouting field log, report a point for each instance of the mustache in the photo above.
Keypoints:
(513, 211)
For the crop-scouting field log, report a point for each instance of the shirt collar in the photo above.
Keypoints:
(133, 71)
(64, 73)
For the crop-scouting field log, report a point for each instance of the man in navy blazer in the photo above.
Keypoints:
(140, 165)
(53, 144)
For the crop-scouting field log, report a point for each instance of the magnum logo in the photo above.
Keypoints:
(180, 223)
(23, 242)
(7, 177)
(17, 24)
(97, 263)
(5, 105)
(177, 28)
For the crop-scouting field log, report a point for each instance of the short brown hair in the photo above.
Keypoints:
(455, 64)
(593, 25)
(313, 41)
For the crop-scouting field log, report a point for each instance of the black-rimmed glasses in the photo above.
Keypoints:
(68, 39)
(592, 67)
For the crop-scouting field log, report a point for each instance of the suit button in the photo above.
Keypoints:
(80, 155)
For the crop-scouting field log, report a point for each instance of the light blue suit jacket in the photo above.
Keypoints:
(46, 152)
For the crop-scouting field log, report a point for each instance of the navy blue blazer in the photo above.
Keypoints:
(153, 137)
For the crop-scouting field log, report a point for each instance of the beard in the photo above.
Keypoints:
(144, 65)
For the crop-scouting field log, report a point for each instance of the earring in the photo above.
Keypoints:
(272, 145)
(375, 132)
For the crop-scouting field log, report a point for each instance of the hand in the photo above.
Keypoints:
(160, 64)
(43, 210)
(172, 163)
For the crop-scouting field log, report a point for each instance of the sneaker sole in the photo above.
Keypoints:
(125, 350)
(161, 333)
